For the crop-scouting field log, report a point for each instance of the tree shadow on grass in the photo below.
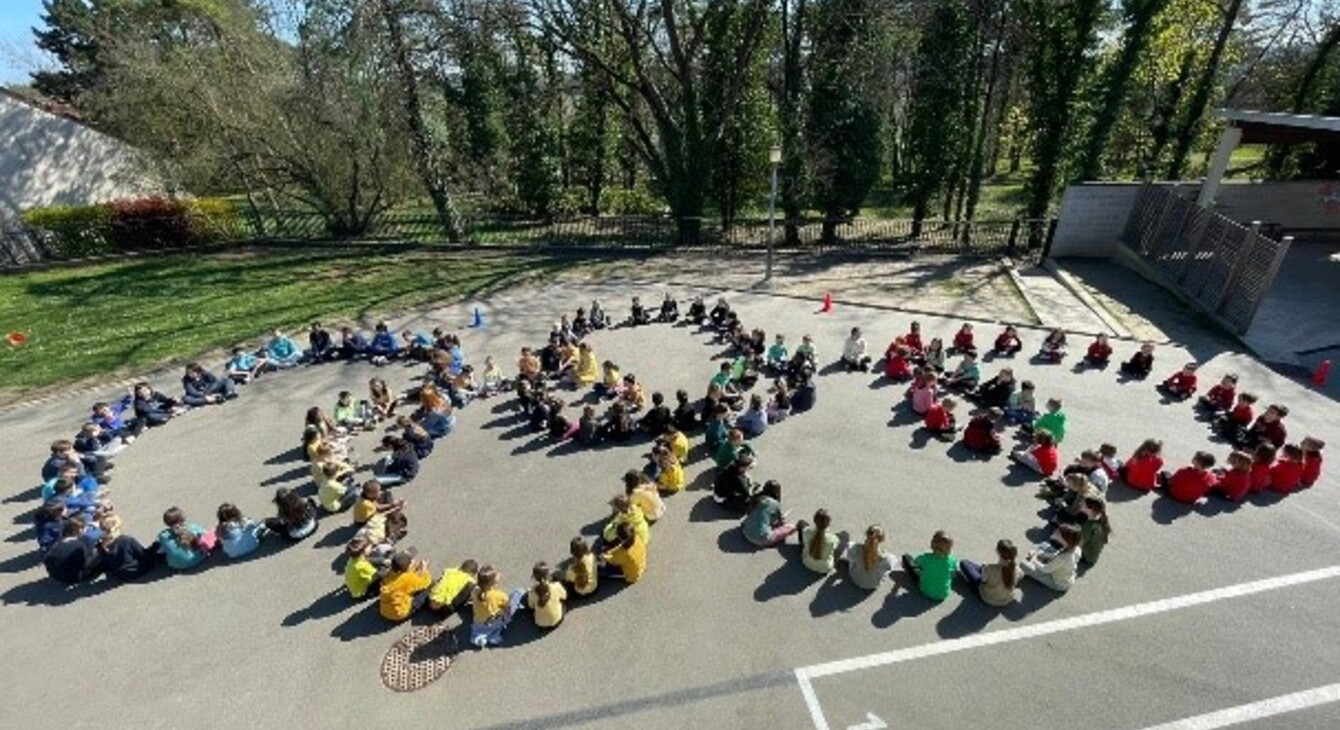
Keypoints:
(791, 578)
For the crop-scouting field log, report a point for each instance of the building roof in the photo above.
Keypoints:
(1280, 128)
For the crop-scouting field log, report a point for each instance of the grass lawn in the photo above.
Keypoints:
(91, 321)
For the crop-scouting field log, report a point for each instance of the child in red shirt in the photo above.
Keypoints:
(1221, 397)
(1286, 473)
(1190, 483)
(912, 340)
(1053, 348)
(1269, 427)
(1181, 384)
(981, 434)
(1141, 471)
(1007, 342)
(940, 418)
(1311, 460)
(1107, 453)
(1233, 425)
(896, 365)
(1100, 352)
(1236, 481)
(1043, 458)
(963, 342)
(1263, 460)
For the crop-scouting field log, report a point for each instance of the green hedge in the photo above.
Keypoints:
(138, 224)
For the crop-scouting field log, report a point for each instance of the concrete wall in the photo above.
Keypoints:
(1093, 215)
(49, 160)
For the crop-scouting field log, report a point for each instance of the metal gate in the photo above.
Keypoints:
(1219, 264)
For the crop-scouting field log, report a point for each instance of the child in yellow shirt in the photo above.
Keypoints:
(546, 597)
(642, 493)
(670, 477)
(581, 573)
(404, 589)
(628, 559)
(625, 512)
(678, 442)
(493, 608)
(451, 593)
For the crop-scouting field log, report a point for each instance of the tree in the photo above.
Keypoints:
(1139, 17)
(1062, 35)
(69, 36)
(843, 128)
(1184, 133)
(790, 93)
(654, 58)
(740, 156)
(935, 131)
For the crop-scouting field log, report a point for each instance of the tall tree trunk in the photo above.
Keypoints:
(1185, 135)
(984, 123)
(1165, 115)
(427, 148)
(1279, 153)
(792, 118)
(1140, 15)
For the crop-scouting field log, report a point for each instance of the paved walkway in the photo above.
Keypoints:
(1056, 305)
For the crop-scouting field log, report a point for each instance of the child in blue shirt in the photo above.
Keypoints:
(383, 346)
(244, 367)
(282, 351)
(184, 544)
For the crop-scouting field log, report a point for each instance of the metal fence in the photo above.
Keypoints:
(1021, 238)
(1219, 264)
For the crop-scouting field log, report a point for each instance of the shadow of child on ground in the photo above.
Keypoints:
(791, 578)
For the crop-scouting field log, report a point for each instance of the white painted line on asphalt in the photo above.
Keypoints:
(1256, 710)
(806, 675)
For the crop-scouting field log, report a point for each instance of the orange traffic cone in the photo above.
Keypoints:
(1322, 372)
(16, 339)
(828, 303)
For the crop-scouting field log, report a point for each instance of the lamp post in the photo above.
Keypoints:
(775, 159)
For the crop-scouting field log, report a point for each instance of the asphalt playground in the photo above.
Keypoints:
(1194, 618)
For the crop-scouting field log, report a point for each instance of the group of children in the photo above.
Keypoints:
(80, 533)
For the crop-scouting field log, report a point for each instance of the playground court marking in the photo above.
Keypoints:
(1256, 710)
(805, 676)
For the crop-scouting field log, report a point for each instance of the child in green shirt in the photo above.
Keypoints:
(934, 570)
(1053, 420)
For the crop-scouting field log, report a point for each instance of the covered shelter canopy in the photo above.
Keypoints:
(1252, 127)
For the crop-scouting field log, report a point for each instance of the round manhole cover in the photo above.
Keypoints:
(420, 658)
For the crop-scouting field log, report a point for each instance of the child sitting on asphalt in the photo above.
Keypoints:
(404, 588)
(1007, 342)
(1022, 406)
(981, 434)
(1043, 457)
(1311, 447)
(1054, 420)
(939, 420)
(897, 366)
(451, 592)
(854, 357)
(1053, 348)
(1288, 471)
(1235, 482)
(545, 598)
(1056, 569)
(1142, 470)
(669, 309)
(1181, 385)
(1191, 483)
(934, 570)
(963, 341)
(1233, 425)
(1221, 397)
(1141, 363)
(366, 563)
(1099, 353)
(966, 375)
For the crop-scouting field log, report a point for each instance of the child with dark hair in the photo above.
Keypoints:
(1263, 462)
(320, 344)
(765, 523)
(1181, 385)
(353, 344)
(184, 544)
(74, 557)
(638, 314)
(805, 392)
(754, 420)
(997, 583)
(581, 572)
(779, 406)
(238, 536)
(1221, 397)
(933, 357)
(1142, 470)
(963, 341)
(913, 342)
(366, 563)
(1233, 425)
(820, 545)
(1099, 353)
(400, 466)
(1054, 420)
(669, 309)
(697, 311)
(588, 427)
(118, 418)
(934, 569)
(777, 356)
(897, 366)
(153, 408)
(732, 487)
(996, 392)
(1042, 457)
(1007, 342)
(597, 317)
(618, 423)
(686, 420)
(1191, 483)
(1141, 363)
(493, 608)
(628, 558)
(981, 434)
(1269, 428)
(1056, 569)
(295, 516)
(93, 441)
(1053, 348)
(923, 391)
(854, 355)
(1311, 447)
(384, 346)
(404, 588)
(546, 597)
